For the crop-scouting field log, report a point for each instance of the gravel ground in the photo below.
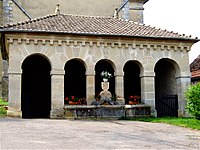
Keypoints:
(87, 134)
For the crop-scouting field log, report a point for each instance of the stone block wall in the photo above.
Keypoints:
(133, 10)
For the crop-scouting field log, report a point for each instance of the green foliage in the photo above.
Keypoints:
(2, 109)
(182, 122)
(2, 102)
(2, 112)
(193, 100)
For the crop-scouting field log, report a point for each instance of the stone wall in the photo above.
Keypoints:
(133, 10)
(39, 8)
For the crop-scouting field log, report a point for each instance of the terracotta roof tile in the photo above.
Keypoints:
(60, 23)
(195, 65)
(195, 74)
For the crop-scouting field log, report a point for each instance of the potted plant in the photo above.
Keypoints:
(106, 75)
(133, 100)
(72, 100)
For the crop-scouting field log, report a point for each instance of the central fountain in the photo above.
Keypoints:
(105, 107)
(105, 96)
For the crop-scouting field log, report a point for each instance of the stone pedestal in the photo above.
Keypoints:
(105, 94)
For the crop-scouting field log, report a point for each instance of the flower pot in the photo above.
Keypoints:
(105, 80)
(132, 102)
(73, 103)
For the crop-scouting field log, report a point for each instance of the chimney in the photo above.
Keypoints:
(133, 10)
(57, 10)
(116, 15)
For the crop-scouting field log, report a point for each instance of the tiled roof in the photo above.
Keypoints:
(195, 65)
(73, 24)
(195, 74)
(195, 68)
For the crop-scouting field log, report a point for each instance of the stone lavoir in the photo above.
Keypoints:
(56, 56)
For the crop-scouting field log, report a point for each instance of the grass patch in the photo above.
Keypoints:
(2, 110)
(182, 122)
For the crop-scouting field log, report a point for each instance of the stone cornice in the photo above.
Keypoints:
(148, 45)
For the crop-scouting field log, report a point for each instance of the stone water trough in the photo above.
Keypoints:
(106, 111)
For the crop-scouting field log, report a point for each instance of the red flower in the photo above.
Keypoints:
(134, 98)
(66, 99)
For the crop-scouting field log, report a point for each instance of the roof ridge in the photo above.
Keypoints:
(75, 15)
(29, 21)
(98, 25)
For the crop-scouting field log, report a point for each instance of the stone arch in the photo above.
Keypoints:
(132, 81)
(36, 87)
(104, 65)
(166, 71)
(75, 78)
(38, 54)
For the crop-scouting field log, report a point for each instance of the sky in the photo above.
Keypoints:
(182, 16)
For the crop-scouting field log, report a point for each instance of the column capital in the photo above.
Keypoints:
(57, 72)
(90, 73)
(147, 74)
(119, 73)
(183, 77)
(13, 71)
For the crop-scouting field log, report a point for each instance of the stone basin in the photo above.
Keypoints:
(106, 111)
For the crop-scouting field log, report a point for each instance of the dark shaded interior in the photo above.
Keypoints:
(165, 82)
(75, 79)
(166, 89)
(132, 83)
(36, 87)
(104, 65)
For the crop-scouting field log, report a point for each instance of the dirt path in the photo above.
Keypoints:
(84, 134)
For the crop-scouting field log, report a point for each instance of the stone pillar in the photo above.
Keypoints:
(1, 75)
(148, 91)
(14, 95)
(133, 10)
(136, 10)
(7, 12)
(182, 84)
(57, 94)
(90, 86)
(1, 13)
(119, 87)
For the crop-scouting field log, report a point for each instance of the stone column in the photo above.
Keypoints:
(182, 84)
(14, 95)
(90, 86)
(1, 71)
(1, 13)
(148, 91)
(119, 87)
(57, 94)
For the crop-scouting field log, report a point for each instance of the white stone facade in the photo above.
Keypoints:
(59, 49)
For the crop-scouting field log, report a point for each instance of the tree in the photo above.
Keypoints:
(193, 100)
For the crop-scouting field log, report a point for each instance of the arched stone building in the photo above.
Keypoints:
(58, 55)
